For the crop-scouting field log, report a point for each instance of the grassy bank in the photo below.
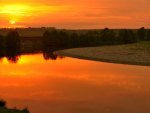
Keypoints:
(136, 54)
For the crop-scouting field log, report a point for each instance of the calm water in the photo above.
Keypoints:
(74, 86)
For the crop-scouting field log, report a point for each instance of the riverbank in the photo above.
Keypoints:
(135, 54)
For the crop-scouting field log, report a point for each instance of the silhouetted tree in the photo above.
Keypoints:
(2, 46)
(50, 38)
(92, 38)
(46, 38)
(2, 42)
(141, 33)
(63, 38)
(132, 36)
(74, 40)
(2, 103)
(13, 46)
(84, 40)
(148, 35)
(13, 41)
(127, 36)
(108, 36)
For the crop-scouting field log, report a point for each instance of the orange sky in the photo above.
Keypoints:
(75, 14)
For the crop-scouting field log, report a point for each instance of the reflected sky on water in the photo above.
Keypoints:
(71, 85)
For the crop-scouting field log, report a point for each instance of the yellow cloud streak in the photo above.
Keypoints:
(28, 10)
(15, 9)
(19, 12)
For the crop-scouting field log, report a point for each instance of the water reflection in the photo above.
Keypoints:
(13, 59)
(11, 56)
(74, 86)
(14, 55)
(48, 53)
(10, 47)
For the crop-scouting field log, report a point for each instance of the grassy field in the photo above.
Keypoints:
(135, 54)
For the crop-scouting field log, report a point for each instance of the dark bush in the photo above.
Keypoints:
(63, 37)
(2, 42)
(2, 103)
(55, 37)
(74, 40)
(108, 36)
(2, 46)
(13, 41)
(127, 36)
(13, 46)
(141, 33)
(148, 35)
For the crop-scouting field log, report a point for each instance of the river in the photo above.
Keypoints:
(69, 85)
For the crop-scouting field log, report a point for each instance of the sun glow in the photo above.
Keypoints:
(18, 14)
(14, 13)
(12, 22)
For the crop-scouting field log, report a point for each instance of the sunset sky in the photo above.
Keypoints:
(75, 14)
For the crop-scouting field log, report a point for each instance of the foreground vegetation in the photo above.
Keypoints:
(137, 53)
(4, 109)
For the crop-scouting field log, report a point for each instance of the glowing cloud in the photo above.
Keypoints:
(14, 9)
(17, 13)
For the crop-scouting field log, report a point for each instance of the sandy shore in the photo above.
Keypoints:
(135, 54)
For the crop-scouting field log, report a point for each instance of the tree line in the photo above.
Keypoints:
(95, 38)
(11, 44)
